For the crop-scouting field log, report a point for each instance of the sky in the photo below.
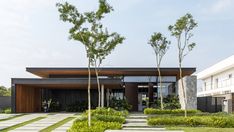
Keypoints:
(31, 34)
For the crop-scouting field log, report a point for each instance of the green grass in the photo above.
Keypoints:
(12, 117)
(21, 124)
(202, 129)
(58, 124)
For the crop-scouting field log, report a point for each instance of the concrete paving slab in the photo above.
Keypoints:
(65, 126)
(44, 123)
(5, 116)
(140, 131)
(155, 129)
(135, 125)
(15, 121)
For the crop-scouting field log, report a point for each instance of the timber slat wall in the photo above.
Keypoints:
(28, 99)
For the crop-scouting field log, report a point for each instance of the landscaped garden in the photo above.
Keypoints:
(195, 121)
(102, 119)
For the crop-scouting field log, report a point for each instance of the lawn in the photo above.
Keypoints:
(201, 129)
(195, 122)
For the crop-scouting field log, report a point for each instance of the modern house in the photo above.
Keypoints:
(218, 87)
(67, 85)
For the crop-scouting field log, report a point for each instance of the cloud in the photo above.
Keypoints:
(221, 6)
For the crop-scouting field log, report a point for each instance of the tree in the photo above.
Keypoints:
(5, 91)
(181, 30)
(88, 30)
(160, 45)
(107, 43)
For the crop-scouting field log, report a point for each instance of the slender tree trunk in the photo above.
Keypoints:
(98, 84)
(89, 98)
(160, 83)
(183, 90)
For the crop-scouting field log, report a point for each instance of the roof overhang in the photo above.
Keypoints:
(217, 68)
(130, 71)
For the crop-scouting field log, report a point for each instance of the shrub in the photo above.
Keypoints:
(102, 119)
(6, 110)
(109, 118)
(206, 121)
(108, 111)
(170, 102)
(78, 106)
(175, 111)
(120, 104)
(96, 126)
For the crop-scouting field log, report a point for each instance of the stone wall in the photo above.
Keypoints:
(5, 101)
(190, 85)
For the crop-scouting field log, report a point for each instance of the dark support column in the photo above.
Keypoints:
(131, 93)
(13, 90)
(151, 94)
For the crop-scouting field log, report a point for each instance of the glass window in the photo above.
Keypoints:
(149, 79)
(140, 79)
(204, 86)
(216, 83)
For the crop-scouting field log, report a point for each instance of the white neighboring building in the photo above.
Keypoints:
(218, 81)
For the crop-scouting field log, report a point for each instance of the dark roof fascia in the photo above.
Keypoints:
(29, 69)
(70, 81)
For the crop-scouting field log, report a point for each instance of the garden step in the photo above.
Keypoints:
(142, 131)
(137, 117)
(136, 120)
(147, 128)
(135, 125)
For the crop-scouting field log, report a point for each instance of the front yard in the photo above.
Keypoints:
(195, 122)
(201, 129)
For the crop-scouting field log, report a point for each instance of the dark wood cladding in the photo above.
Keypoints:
(131, 93)
(28, 99)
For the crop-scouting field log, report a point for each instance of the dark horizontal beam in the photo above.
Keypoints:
(63, 81)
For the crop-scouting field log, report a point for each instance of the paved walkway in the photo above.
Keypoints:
(44, 123)
(4, 116)
(138, 123)
(65, 126)
(17, 120)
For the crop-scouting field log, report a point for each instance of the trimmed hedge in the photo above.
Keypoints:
(204, 121)
(96, 126)
(109, 118)
(151, 111)
(107, 111)
(102, 119)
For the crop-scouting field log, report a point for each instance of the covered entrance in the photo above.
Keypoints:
(30, 95)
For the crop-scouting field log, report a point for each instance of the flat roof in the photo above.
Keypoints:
(217, 68)
(45, 72)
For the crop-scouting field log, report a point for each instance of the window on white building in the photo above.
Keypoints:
(204, 86)
(230, 76)
(216, 83)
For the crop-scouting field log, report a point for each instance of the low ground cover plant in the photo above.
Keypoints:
(102, 119)
(6, 110)
(193, 121)
(97, 126)
(152, 111)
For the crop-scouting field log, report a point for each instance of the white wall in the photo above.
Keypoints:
(224, 82)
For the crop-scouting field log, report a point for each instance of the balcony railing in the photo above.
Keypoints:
(221, 84)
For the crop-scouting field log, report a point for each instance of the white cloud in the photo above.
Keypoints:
(221, 5)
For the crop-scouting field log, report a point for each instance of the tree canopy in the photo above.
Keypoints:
(5, 91)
